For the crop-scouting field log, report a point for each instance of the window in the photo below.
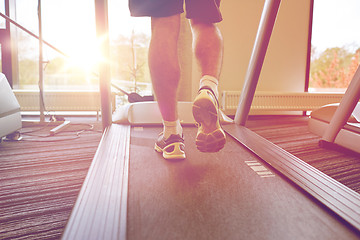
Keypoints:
(70, 27)
(335, 44)
(0, 59)
(129, 40)
(2, 10)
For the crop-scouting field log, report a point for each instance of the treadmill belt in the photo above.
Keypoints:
(231, 194)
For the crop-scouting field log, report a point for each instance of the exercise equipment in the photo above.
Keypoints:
(133, 96)
(302, 174)
(340, 123)
(148, 113)
(174, 184)
(10, 117)
(347, 136)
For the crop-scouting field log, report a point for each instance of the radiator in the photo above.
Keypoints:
(60, 100)
(276, 101)
(263, 101)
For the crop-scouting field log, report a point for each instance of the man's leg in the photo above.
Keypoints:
(208, 47)
(164, 63)
(208, 50)
(165, 75)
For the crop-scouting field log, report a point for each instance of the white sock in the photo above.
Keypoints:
(172, 127)
(211, 82)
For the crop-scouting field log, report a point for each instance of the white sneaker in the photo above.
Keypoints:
(210, 136)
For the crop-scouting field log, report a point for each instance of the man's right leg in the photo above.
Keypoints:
(208, 49)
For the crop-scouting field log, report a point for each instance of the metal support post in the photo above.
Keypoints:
(266, 25)
(102, 31)
(41, 71)
(345, 109)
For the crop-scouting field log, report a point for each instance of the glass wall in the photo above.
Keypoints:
(28, 46)
(129, 40)
(69, 26)
(2, 25)
(0, 60)
(2, 10)
(335, 45)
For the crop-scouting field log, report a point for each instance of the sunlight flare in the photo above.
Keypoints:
(85, 55)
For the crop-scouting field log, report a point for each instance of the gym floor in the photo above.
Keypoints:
(223, 195)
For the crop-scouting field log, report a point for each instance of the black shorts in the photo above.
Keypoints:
(205, 10)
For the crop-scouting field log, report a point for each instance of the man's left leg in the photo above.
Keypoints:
(164, 68)
(165, 75)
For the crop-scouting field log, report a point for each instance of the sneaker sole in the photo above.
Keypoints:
(210, 137)
(171, 154)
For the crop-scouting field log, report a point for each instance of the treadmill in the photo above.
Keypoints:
(339, 124)
(10, 117)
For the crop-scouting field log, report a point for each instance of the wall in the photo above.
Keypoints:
(285, 62)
